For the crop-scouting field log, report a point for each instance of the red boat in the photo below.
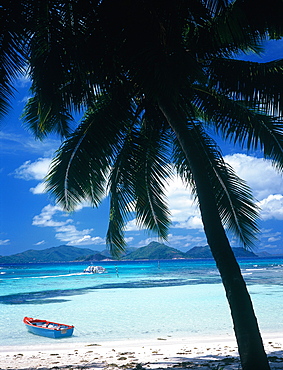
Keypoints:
(48, 328)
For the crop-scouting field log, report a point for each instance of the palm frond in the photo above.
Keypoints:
(115, 237)
(13, 40)
(241, 27)
(241, 125)
(42, 119)
(233, 197)
(153, 171)
(137, 183)
(263, 18)
(74, 176)
(62, 81)
(80, 169)
(225, 34)
(216, 6)
(257, 84)
(121, 192)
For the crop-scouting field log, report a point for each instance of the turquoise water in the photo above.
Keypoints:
(134, 300)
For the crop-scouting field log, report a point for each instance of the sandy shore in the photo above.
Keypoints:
(189, 353)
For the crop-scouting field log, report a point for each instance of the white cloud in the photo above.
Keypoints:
(5, 242)
(272, 207)
(269, 240)
(25, 99)
(39, 189)
(259, 173)
(180, 200)
(131, 226)
(273, 239)
(33, 170)
(65, 231)
(70, 234)
(45, 218)
(193, 222)
(23, 81)
(146, 241)
(11, 142)
(265, 181)
(187, 241)
(40, 243)
(47, 146)
(183, 242)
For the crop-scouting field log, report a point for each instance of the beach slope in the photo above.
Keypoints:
(160, 353)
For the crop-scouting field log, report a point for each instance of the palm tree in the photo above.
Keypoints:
(152, 77)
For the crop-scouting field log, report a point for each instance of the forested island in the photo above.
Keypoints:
(152, 251)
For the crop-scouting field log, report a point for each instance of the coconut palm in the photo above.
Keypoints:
(152, 78)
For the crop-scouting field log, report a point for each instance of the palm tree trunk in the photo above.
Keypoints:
(246, 328)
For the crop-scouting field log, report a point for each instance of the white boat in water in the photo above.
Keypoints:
(95, 270)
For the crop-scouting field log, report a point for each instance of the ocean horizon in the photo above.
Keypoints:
(135, 299)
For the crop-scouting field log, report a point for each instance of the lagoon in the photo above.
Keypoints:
(134, 300)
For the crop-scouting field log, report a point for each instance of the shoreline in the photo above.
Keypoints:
(158, 353)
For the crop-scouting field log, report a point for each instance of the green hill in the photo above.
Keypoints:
(63, 253)
(129, 250)
(92, 257)
(105, 254)
(199, 252)
(242, 252)
(154, 251)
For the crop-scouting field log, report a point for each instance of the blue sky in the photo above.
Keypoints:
(30, 219)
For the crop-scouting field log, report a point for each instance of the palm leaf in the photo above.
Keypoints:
(62, 78)
(152, 171)
(44, 119)
(13, 41)
(239, 124)
(137, 183)
(257, 84)
(224, 34)
(241, 26)
(80, 169)
(263, 18)
(121, 192)
(233, 197)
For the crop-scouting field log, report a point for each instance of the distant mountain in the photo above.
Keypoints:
(204, 252)
(199, 252)
(242, 252)
(105, 254)
(92, 257)
(154, 251)
(265, 254)
(63, 253)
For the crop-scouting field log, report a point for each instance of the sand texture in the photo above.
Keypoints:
(160, 353)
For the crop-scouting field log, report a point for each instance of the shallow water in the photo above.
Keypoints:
(134, 300)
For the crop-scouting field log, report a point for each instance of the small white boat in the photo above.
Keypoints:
(95, 270)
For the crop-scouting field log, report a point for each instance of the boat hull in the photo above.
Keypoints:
(95, 270)
(48, 329)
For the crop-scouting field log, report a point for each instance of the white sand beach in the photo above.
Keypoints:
(201, 354)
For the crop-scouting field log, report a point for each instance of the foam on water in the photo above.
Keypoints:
(133, 300)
